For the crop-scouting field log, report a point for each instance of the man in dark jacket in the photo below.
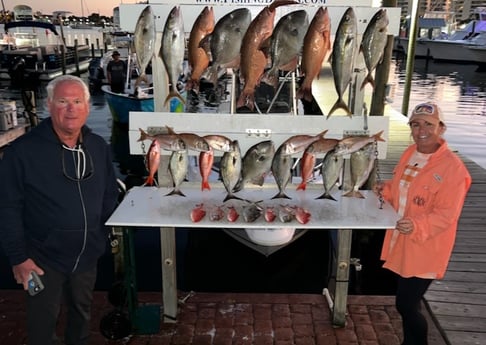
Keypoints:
(116, 73)
(58, 188)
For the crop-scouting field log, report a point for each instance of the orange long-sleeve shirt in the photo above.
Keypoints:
(434, 203)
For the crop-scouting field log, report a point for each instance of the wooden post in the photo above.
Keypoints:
(169, 277)
(342, 278)
(76, 57)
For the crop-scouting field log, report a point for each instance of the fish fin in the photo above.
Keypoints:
(246, 99)
(143, 135)
(174, 94)
(368, 79)
(378, 137)
(281, 195)
(326, 195)
(205, 185)
(170, 130)
(354, 193)
(176, 192)
(278, 3)
(238, 186)
(231, 196)
(340, 104)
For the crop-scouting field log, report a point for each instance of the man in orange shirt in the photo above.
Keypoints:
(427, 190)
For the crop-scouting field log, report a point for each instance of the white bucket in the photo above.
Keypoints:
(270, 237)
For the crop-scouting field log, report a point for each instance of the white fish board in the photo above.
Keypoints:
(149, 206)
(250, 129)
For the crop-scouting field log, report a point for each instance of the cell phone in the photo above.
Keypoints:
(34, 286)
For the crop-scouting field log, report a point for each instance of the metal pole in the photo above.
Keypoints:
(412, 38)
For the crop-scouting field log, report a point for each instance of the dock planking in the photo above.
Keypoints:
(457, 302)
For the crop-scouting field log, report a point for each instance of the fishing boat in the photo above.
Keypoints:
(121, 104)
(41, 61)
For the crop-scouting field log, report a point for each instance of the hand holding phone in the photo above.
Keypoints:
(34, 286)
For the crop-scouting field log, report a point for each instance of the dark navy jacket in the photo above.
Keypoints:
(44, 214)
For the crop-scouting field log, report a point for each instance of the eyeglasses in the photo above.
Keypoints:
(82, 167)
(424, 109)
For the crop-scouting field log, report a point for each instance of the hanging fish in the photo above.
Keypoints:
(178, 164)
(172, 51)
(257, 162)
(197, 57)
(342, 58)
(152, 160)
(144, 39)
(224, 43)
(373, 44)
(253, 58)
(206, 160)
(317, 45)
(230, 169)
(361, 165)
(331, 170)
(286, 45)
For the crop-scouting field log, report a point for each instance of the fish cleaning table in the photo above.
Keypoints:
(151, 207)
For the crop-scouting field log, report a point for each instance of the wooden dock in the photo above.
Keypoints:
(13, 133)
(457, 302)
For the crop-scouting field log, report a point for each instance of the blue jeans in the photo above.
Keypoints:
(75, 290)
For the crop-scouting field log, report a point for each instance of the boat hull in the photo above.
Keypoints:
(122, 104)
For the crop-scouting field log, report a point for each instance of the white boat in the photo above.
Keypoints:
(454, 47)
(479, 55)
(457, 50)
(37, 61)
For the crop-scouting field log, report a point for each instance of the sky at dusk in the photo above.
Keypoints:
(103, 7)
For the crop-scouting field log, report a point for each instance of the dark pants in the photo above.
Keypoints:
(118, 87)
(410, 292)
(76, 291)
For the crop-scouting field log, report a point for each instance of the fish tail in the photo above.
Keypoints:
(278, 3)
(246, 99)
(231, 196)
(212, 75)
(174, 94)
(143, 135)
(378, 137)
(305, 92)
(302, 186)
(149, 181)
(326, 195)
(340, 104)
(205, 185)
(354, 194)
(176, 191)
(281, 195)
(368, 79)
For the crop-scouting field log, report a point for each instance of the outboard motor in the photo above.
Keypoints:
(17, 72)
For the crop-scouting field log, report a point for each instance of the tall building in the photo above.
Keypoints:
(463, 9)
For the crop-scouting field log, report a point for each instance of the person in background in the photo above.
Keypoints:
(428, 189)
(58, 188)
(116, 73)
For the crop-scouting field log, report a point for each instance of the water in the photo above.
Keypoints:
(210, 260)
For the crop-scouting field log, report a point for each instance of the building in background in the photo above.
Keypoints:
(463, 9)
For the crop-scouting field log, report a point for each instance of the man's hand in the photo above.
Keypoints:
(22, 271)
